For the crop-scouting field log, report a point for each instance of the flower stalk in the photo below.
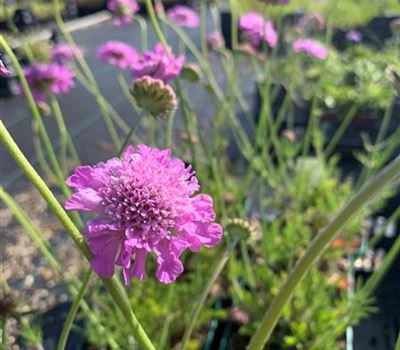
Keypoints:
(317, 247)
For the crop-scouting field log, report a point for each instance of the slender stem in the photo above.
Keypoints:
(234, 25)
(62, 342)
(374, 280)
(342, 129)
(155, 24)
(194, 314)
(71, 282)
(130, 133)
(86, 69)
(36, 116)
(111, 284)
(203, 29)
(317, 247)
(143, 32)
(397, 346)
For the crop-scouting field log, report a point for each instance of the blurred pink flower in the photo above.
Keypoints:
(257, 29)
(310, 47)
(215, 40)
(158, 64)
(118, 53)
(144, 204)
(184, 16)
(63, 53)
(46, 78)
(123, 11)
(3, 70)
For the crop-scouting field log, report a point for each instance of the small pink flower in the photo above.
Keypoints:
(118, 53)
(3, 70)
(65, 53)
(257, 29)
(215, 40)
(123, 11)
(46, 78)
(184, 16)
(158, 64)
(144, 204)
(311, 47)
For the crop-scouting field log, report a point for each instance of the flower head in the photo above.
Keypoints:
(64, 53)
(118, 53)
(183, 16)
(354, 36)
(311, 47)
(158, 64)
(123, 11)
(215, 40)
(257, 29)
(154, 96)
(3, 70)
(45, 78)
(144, 204)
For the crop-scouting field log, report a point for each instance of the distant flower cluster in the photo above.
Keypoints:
(310, 47)
(257, 29)
(64, 53)
(184, 16)
(44, 78)
(144, 204)
(123, 11)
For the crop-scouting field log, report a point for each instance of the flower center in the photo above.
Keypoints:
(137, 206)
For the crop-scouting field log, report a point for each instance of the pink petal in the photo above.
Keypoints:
(85, 199)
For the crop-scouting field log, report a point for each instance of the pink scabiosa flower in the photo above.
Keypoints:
(158, 64)
(183, 16)
(64, 53)
(118, 53)
(354, 36)
(311, 47)
(123, 11)
(144, 204)
(257, 29)
(3, 70)
(215, 40)
(46, 78)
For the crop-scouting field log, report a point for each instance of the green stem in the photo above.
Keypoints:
(397, 346)
(374, 280)
(155, 24)
(130, 133)
(203, 29)
(62, 342)
(143, 32)
(194, 314)
(71, 282)
(111, 284)
(342, 129)
(86, 69)
(317, 247)
(36, 116)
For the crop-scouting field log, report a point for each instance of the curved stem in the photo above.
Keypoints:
(62, 342)
(111, 284)
(317, 247)
(143, 32)
(155, 24)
